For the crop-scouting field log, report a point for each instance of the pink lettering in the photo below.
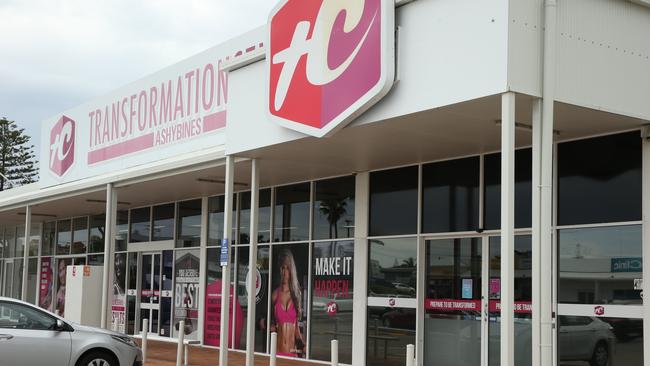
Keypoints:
(178, 106)
(208, 74)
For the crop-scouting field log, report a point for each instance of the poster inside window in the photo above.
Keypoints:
(118, 307)
(212, 322)
(289, 299)
(332, 295)
(62, 265)
(46, 284)
(186, 292)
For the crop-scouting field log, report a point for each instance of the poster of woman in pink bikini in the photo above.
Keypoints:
(288, 302)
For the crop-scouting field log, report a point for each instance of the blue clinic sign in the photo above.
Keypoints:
(627, 264)
(225, 252)
(467, 288)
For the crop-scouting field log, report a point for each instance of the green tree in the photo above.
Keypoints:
(17, 159)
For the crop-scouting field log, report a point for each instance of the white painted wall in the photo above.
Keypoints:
(603, 54)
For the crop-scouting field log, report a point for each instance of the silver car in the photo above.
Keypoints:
(32, 336)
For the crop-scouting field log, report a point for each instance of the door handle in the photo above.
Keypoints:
(5, 337)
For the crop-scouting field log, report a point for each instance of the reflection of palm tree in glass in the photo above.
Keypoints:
(334, 209)
(409, 263)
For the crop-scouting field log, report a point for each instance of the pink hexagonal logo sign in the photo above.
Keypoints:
(62, 142)
(328, 61)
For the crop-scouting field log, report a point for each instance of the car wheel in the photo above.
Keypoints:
(98, 358)
(600, 356)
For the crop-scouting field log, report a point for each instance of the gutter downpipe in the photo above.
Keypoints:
(546, 190)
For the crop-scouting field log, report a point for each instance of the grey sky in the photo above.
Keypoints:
(57, 54)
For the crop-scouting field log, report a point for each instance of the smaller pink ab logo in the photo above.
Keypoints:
(62, 141)
(599, 310)
(332, 308)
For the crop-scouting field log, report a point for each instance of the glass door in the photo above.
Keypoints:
(523, 301)
(453, 324)
(150, 280)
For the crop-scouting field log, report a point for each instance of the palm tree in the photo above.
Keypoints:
(334, 209)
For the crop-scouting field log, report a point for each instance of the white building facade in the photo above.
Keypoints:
(468, 177)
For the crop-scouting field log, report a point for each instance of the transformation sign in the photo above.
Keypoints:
(179, 110)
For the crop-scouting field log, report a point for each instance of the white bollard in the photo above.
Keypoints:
(274, 349)
(181, 341)
(145, 332)
(410, 355)
(335, 352)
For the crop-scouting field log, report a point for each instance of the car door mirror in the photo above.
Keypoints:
(60, 326)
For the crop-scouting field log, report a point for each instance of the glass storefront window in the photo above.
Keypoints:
(599, 180)
(63, 237)
(523, 189)
(80, 235)
(17, 287)
(20, 242)
(97, 224)
(261, 296)
(32, 280)
(332, 299)
(163, 222)
(215, 220)
(96, 260)
(334, 208)
(34, 240)
(264, 221)
(585, 340)
(49, 238)
(450, 195)
(389, 332)
(599, 265)
(291, 218)
(121, 230)
(140, 225)
(392, 269)
(394, 201)
(244, 218)
(189, 224)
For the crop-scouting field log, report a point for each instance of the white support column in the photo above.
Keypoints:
(252, 263)
(360, 301)
(28, 234)
(111, 212)
(203, 263)
(507, 228)
(225, 269)
(536, 237)
(546, 199)
(645, 134)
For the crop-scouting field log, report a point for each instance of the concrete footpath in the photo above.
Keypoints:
(164, 354)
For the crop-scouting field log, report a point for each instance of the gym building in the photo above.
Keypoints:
(469, 177)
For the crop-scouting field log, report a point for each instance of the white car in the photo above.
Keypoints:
(32, 336)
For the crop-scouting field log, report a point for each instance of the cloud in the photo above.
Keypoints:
(57, 54)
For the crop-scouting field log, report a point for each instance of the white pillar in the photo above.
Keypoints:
(203, 263)
(111, 212)
(536, 237)
(252, 263)
(646, 241)
(546, 199)
(360, 301)
(507, 228)
(28, 234)
(225, 268)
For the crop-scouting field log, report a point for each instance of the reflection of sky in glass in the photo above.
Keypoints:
(605, 242)
(387, 252)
